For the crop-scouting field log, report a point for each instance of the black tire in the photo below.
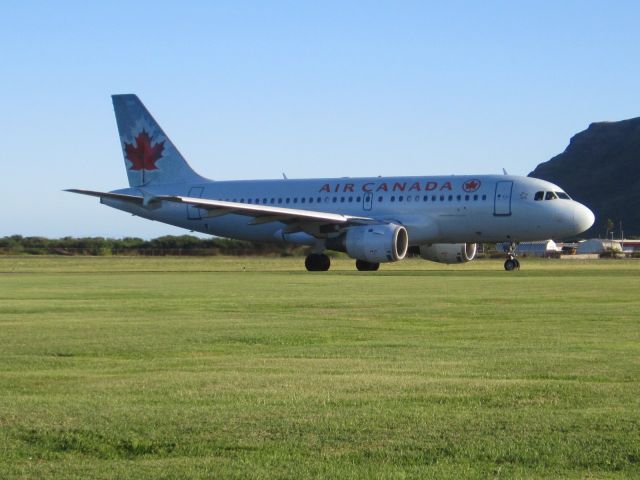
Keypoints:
(364, 266)
(510, 264)
(325, 262)
(317, 262)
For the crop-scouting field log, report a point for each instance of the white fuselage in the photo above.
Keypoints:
(443, 209)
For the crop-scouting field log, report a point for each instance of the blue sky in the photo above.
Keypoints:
(253, 89)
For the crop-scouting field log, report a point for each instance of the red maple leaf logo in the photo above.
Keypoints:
(471, 185)
(143, 155)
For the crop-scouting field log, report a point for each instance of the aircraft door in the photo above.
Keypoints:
(194, 213)
(502, 198)
(367, 201)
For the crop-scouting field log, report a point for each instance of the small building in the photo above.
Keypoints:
(631, 247)
(598, 246)
(545, 248)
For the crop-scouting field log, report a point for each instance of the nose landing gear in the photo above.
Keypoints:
(511, 263)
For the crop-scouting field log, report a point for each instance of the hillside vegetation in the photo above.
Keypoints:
(601, 168)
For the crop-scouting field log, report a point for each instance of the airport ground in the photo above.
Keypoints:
(218, 367)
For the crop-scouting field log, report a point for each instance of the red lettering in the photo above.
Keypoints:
(415, 186)
(325, 188)
(382, 187)
(399, 186)
(367, 187)
(446, 185)
(348, 187)
(431, 186)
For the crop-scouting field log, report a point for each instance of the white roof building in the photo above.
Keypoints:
(544, 248)
(598, 245)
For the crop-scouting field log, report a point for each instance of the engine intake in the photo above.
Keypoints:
(449, 252)
(373, 243)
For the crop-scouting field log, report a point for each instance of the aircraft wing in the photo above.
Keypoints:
(260, 213)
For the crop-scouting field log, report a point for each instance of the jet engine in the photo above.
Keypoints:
(449, 252)
(373, 243)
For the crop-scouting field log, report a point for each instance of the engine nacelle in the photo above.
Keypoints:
(373, 243)
(449, 252)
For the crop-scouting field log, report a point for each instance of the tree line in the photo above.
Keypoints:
(167, 245)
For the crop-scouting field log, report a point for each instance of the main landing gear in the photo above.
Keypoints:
(364, 266)
(511, 263)
(317, 262)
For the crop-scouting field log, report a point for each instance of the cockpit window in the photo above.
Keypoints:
(550, 196)
(539, 196)
(563, 196)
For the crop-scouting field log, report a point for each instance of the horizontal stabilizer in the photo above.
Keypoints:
(116, 196)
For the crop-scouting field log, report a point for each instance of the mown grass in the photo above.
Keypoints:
(253, 368)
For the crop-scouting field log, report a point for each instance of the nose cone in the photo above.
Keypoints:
(583, 218)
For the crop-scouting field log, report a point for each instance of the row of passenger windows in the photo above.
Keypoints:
(393, 198)
(551, 196)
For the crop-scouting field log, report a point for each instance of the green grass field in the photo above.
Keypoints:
(253, 368)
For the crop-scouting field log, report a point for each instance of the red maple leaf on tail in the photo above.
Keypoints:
(143, 155)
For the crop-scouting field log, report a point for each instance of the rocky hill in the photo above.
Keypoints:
(601, 168)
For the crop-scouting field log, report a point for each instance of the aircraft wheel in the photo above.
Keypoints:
(364, 266)
(510, 264)
(317, 262)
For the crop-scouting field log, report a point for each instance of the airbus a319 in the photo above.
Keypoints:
(373, 219)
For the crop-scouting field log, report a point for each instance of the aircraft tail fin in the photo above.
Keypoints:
(149, 156)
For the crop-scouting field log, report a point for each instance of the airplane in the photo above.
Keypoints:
(373, 219)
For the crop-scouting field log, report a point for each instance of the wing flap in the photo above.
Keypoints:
(265, 213)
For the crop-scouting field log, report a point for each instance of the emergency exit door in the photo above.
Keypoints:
(502, 198)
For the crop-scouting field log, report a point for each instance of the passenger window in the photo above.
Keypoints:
(310, 199)
(295, 200)
(475, 198)
(538, 196)
(466, 198)
(484, 197)
(380, 198)
(393, 198)
(450, 197)
(425, 198)
(288, 200)
(358, 199)
(458, 197)
(550, 196)
(400, 198)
